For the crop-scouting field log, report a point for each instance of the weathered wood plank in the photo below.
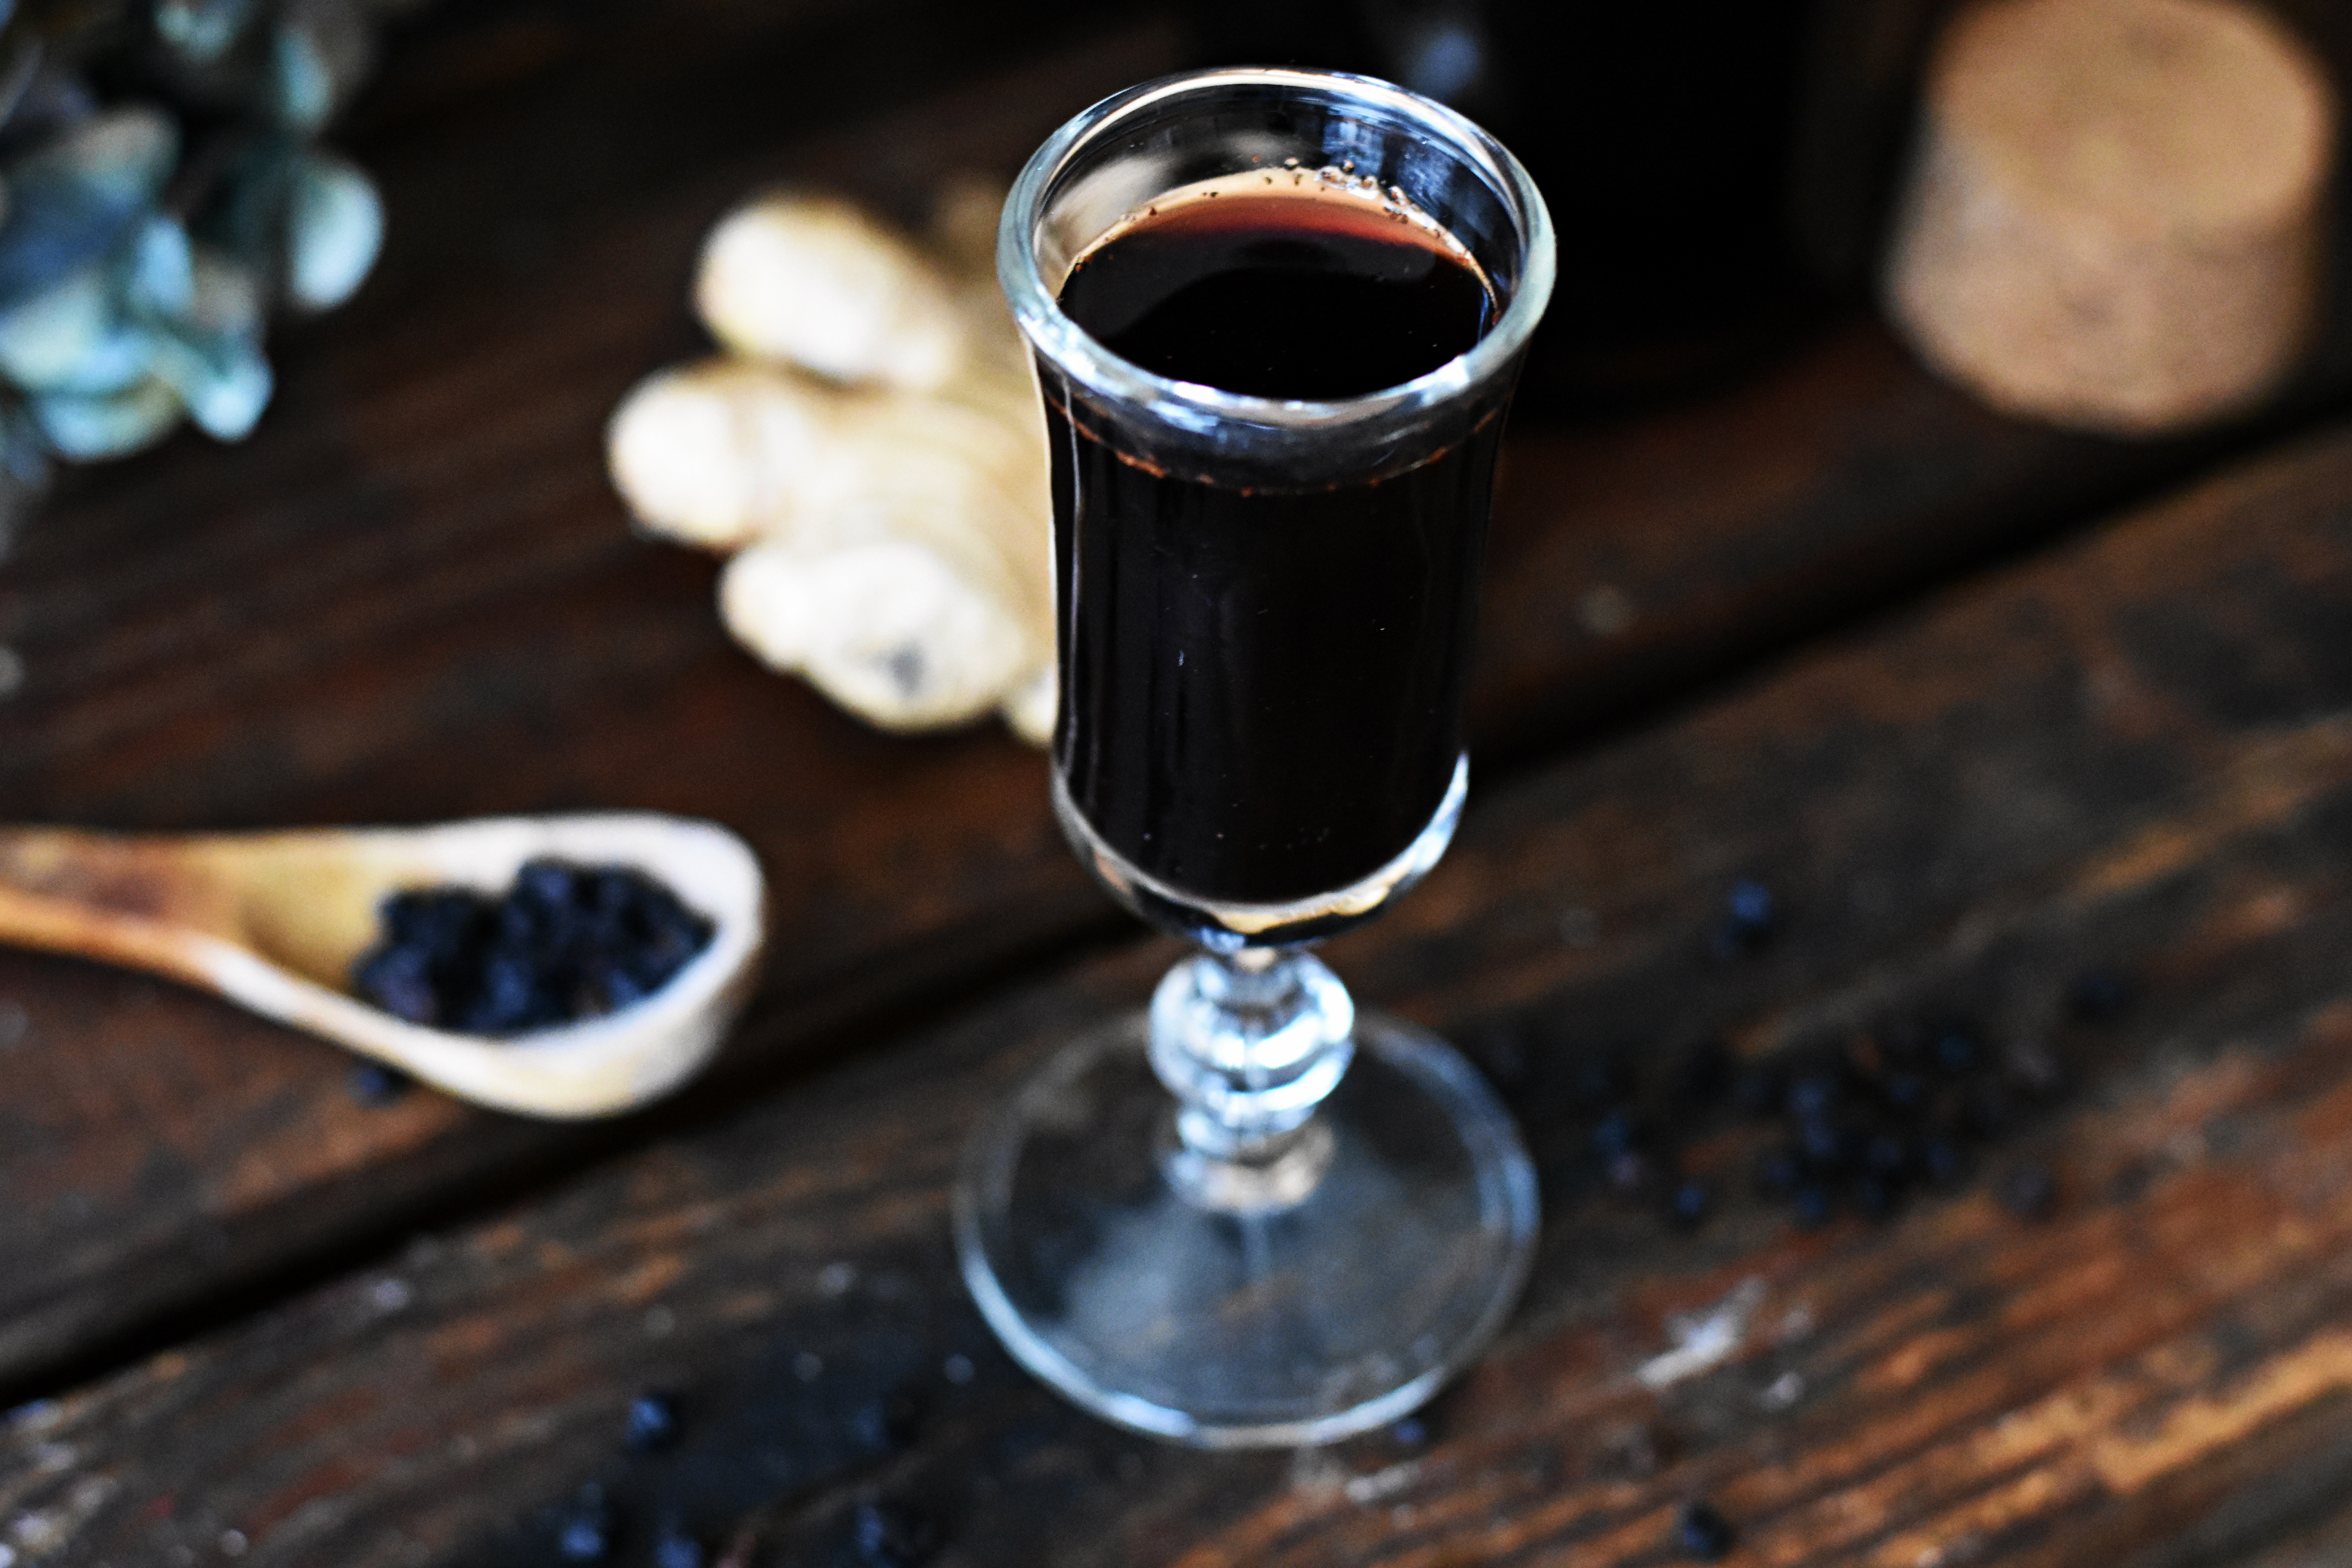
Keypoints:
(412, 596)
(2135, 754)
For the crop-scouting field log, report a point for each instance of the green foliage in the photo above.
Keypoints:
(163, 192)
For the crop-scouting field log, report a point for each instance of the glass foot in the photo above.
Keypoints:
(1329, 1286)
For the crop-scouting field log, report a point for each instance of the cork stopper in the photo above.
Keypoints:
(2113, 219)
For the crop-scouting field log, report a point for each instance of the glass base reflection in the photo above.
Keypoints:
(1324, 1282)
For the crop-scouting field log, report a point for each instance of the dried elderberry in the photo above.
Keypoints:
(1703, 1533)
(652, 1424)
(1749, 920)
(2098, 995)
(889, 1535)
(673, 1548)
(584, 1533)
(566, 942)
(372, 1083)
(891, 1423)
(1690, 1205)
(2029, 1192)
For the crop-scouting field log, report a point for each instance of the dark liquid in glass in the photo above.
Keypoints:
(1262, 688)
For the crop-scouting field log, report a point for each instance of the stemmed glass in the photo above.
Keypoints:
(1252, 1214)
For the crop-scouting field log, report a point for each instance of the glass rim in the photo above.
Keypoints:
(1196, 406)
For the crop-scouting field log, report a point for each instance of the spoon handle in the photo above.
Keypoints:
(139, 901)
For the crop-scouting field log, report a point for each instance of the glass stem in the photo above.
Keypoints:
(1250, 1044)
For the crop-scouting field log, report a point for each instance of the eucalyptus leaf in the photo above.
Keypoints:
(224, 380)
(90, 429)
(334, 229)
(116, 361)
(73, 338)
(76, 199)
(158, 273)
(211, 354)
(323, 51)
(126, 153)
(225, 300)
(201, 30)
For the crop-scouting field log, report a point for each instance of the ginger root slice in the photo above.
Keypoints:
(875, 449)
(886, 628)
(815, 282)
(715, 454)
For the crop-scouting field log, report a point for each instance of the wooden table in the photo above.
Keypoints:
(1989, 708)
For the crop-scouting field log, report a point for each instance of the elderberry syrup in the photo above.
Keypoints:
(1262, 684)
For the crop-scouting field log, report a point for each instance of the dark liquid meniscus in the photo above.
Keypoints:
(1261, 686)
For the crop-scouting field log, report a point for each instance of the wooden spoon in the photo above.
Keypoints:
(273, 922)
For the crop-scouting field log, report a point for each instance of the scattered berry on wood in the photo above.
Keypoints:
(1750, 919)
(2029, 1192)
(2099, 995)
(651, 1425)
(1813, 1095)
(1701, 1533)
(584, 1532)
(673, 1548)
(891, 1423)
(1631, 1173)
(891, 1535)
(1828, 1147)
(1690, 1205)
(1615, 1134)
(372, 1083)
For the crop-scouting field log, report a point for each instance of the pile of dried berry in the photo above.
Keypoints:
(1913, 1104)
(1904, 1106)
(566, 942)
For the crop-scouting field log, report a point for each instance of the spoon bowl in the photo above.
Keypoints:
(273, 921)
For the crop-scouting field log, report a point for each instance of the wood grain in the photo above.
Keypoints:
(411, 597)
(2135, 754)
